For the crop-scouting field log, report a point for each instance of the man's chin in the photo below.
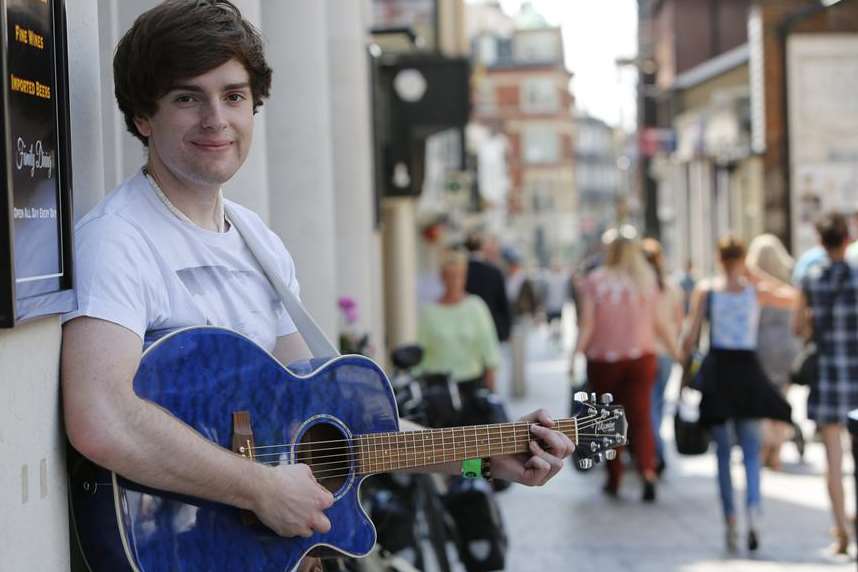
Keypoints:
(215, 175)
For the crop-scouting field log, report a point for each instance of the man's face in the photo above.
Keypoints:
(201, 133)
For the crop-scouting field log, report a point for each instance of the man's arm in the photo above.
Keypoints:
(802, 322)
(109, 424)
(291, 347)
(694, 325)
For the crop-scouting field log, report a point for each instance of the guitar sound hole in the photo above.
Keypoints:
(325, 450)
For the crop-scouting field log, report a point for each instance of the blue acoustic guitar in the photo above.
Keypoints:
(338, 416)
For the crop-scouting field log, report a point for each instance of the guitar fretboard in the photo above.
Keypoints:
(382, 452)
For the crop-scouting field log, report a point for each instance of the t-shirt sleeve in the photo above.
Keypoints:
(289, 275)
(114, 273)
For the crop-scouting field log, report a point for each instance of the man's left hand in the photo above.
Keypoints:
(545, 458)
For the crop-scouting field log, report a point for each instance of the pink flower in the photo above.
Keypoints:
(349, 309)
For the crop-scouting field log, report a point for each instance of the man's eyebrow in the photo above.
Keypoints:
(197, 89)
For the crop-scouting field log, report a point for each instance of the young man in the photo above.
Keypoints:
(157, 253)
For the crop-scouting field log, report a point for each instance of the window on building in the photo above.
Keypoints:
(488, 50)
(541, 144)
(486, 100)
(539, 95)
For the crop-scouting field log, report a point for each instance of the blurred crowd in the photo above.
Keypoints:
(741, 338)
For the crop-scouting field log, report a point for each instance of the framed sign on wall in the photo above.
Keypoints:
(36, 274)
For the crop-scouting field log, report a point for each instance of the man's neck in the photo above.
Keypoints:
(837, 254)
(201, 204)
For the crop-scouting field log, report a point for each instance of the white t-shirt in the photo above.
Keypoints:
(140, 266)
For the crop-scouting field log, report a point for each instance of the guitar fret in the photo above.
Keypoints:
(371, 452)
(399, 443)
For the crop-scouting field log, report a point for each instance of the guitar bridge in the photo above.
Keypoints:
(244, 445)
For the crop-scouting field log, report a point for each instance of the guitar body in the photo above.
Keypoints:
(201, 376)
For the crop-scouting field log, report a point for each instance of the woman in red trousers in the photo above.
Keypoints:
(617, 331)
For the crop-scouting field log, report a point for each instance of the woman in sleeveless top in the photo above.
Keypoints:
(736, 391)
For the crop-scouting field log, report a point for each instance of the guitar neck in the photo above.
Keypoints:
(382, 452)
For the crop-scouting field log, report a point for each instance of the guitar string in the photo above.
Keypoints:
(430, 445)
(560, 425)
(374, 467)
(429, 435)
(414, 441)
(425, 451)
(502, 426)
(412, 438)
(420, 458)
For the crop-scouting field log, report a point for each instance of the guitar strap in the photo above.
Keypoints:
(319, 344)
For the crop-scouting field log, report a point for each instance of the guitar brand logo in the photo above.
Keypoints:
(606, 427)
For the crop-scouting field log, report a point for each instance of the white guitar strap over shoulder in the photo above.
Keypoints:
(315, 338)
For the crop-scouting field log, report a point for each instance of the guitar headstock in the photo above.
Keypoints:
(602, 427)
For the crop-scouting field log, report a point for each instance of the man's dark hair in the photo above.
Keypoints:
(833, 230)
(182, 39)
(474, 241)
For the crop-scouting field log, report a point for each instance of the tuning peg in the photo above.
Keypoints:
(607, 398)
(610, 454)
(598, 458)
(581, 396)
(585, 464)
(594, 398)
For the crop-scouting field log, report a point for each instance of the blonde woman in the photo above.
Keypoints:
(777, 347)
(617, 332)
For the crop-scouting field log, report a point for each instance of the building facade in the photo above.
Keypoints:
(599, 184)
(749, 100)
(521, 90)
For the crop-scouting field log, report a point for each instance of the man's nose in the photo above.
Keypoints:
(213, 115)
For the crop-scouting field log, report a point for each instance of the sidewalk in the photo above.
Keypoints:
(570, 525)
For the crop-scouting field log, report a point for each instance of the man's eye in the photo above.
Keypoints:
(184, 98)
(236, 97)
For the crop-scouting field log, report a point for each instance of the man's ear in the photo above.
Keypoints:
(143, 126)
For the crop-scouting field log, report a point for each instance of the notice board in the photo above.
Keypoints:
(36, 274)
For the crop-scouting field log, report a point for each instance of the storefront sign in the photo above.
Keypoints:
(36, 243)
(823, 130)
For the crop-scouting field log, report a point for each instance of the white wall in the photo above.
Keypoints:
(33, 495)
(358, 247)
(300, 152)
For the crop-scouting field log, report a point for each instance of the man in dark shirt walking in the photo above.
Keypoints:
(486, 281)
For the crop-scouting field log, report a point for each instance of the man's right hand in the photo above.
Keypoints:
(291, 502)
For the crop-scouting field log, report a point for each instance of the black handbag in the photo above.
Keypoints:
(691, 436)
(805, 367)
